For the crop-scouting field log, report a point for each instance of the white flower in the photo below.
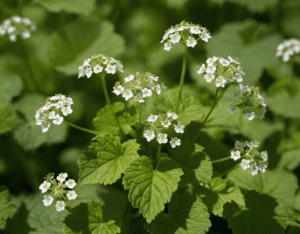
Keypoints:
(25, 34)
(45, 186)
(238, 77)
(201, 69)
(146, 92)
(157, 88)
(191, 42)
(58, 119)
(195, 29)
(236, 94)
(232, 60)
(12, 37)
(205, 36)
(245, 164)
(239, 145)
(175, 142)
(86, 62)
(81, 72)
(244, 87)
(66, 110)
(118, 90)
(152, 118)
(127, 94)
(235, 155)
(98, 69)
(111, 69)
(175, 38)
(253, 169)
(166, 123)
(48, 200)
(179, 128)
(45, 126)
(61, 177)
(162, 138)
(211, 69)
(220, 81)
(209, 77)
(210, 61)
(16, 18)
(167, 46)
(154, 78)
(71, 195)
(149, 134)
(224, 62)
(249, 116)
(172, 114)
(129, 78)
(88, 72)
(60, 205)
(70, 183)
(264, 155)
(52, 115)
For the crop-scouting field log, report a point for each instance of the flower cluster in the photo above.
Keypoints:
(221, 70)
(183, 33)
(159, 125)
(288, 48)
(56, 190)
(100, 63)
(17, 26)
(252, 158)
(139, 87)
(54, 108)
(249, 101)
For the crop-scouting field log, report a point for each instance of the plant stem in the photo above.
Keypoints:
(226, 172)
(80, 128)
(221, 160)
(20, 6)
(107, 98)
(140, 119)
(207, 116)
(182, 77)
(158, 152)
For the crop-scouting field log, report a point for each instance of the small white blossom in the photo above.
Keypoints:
(166, 123)
(195, 29)
(162, 138)
(58, 119)
(191, 42)
(52, 115)
(232, 60)
(60, 205)
(147, 92)
(224, 62)
(175, 142)
(88, 72)
(45, 186)
(48, 200)
(98, 69)
(66, 110)
(154, 78)
(209, 77)
(179, 128)
(111, 69)
(264, 155)
(245, 164)
(149, 134)
(235, 155)
(127, 94)
(172, 114)
(70, 183)
(175, 38)
(239, 145)
(25, 34)
(211, 69)
(118, 90)
(220, 81)
(167, 46)
(244, 87)
(238, 77)
(201, 69)
(129, 78)
(45, 126)
(249, 116)
(253, 168)
(152, 118)
(61, 177)
(71, 195)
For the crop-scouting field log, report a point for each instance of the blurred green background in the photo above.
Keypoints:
(69, 31)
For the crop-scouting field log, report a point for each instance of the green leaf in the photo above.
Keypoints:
(8, 119)
(196, 164)
(70, 6)
(216, 194)
(281, 185)
(190, 108)
(70, 47)
(11, 86)
(105, 122)
(106, 159)
(241, 40)
(255, 218)
(186, 214)
(28, 134)
(7, 208)
(289, 160)
(88, 218)
(150, 189)
(254, 5)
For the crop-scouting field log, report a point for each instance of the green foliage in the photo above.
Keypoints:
(186, 214)
(150, 188)
(289, 160)
(70, 47)
(8, 119)
(88, 219)
(195, 164)
(7, 208)
(105, 122)
(256, 217)
(70, 6)
(28, 134)
(216, 194)
(11, 86)
(254, 5)
(106, 159)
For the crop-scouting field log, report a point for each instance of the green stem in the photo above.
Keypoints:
(20, 6)
(80, 128)
(221, 160)
(107, 98)
(241, 122)
(140, 120)
(158, 152)
(226, 172)
(182, 77)
(207, 116)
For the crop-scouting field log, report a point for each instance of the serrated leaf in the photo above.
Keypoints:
(149, 188)
(254, 56)
(289, 160)
(106, 159)
(28, 134)
(8, 119)
(196, 164)
(70, 6)
(216, 194)
(255, 218)
(105, 122)
(186, 214)
(88, 218)
(70, 47)
(7, 208)
(190, 108)
(11, 86)
(281, 185)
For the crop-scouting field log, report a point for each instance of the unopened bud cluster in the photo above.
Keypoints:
(287, 49)
(53, 110)
(100, 63)
(17, 26)
(221, 70)
(253, 160)
(249, 101)
(183, 33)
(158, 125)
(56, 190)
(139, 87)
